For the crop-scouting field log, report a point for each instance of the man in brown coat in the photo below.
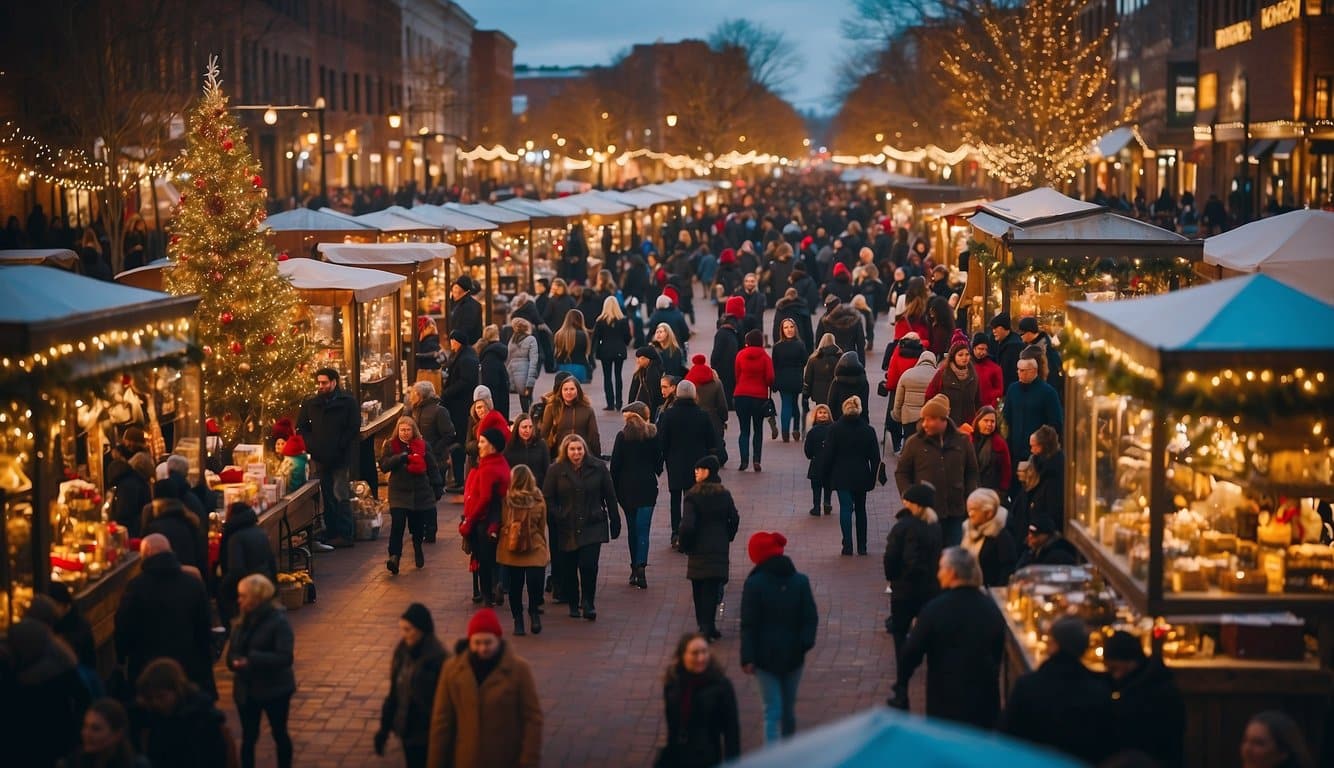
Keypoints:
(486, 714)
(943, 456)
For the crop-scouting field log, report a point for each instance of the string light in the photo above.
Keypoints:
(69, 168)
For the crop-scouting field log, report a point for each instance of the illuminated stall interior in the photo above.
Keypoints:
(511, 244)
(600, 211)
(549, 220)
(471, 238)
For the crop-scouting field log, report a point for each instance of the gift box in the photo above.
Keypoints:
(1276, 637)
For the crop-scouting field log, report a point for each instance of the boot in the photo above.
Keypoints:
(828, 508)
(518, 626)
(643, 580)
(815, 511)
(392, 564)
(745, 465)
(634, 575)
(498, 595)
(476, 589)
(418, 557)
(574, 610)
(786, 437)
(590, 612)
(773, 428)
(535, 622)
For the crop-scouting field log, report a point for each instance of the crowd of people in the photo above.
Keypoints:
(970, 439)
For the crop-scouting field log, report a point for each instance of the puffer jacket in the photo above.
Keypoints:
(910, 394)
(754, 373)
(524, 362)
(265, 640)
(848, 327)
(905, 355)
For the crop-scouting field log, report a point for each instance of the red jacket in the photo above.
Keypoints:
(1000, 464)
(899, 364)
(754, 373)
(990, 381)
(905, 324)
(484, 491)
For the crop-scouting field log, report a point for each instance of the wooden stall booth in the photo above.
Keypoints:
(654, 209)
(1039, 250)
(299, 231)
(547, 220)
(92, 372)
(1198, 465)
(512, 244)
(471, 237)
(600, 211)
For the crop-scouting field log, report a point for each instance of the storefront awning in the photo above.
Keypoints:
(306, 220)
(1283, 149)
(1113, 142)
(1259, 149)
(1292, 247)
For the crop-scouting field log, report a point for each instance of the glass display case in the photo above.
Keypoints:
(377, 351)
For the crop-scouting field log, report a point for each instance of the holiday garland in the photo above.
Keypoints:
(1126, 273)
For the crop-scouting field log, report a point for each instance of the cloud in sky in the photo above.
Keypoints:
(574, 32)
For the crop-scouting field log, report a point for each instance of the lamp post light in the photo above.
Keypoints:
(271, 118)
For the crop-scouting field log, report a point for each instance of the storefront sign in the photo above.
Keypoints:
(1183, 77)
(1279, 13)
(1232, 34)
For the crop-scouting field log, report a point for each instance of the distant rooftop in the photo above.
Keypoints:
(525, 71)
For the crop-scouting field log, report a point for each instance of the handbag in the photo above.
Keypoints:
(769, 410)
(516, 538)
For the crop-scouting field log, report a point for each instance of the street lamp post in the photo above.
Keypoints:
(271, 118)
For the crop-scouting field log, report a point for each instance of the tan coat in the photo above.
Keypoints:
(498, 726)
(530, 510)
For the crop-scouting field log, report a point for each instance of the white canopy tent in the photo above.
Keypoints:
(372, 254)
(1295, 247)
(364, 284)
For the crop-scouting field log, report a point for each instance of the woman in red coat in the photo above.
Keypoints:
(904, 357)
(483, 497)
(993, 453)
(754, 380)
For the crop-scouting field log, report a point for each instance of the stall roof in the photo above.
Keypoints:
(307, 220)
(947, 210)
(1295, 247)
(493, 213)
(53, 257)
(878, 177)
(1036, 206)
(363, 284)
(1100, 226)
(597, 205)
(372, 254)
(40, 307)
(564, 206)
(441, 217)
(150, 277)
(641, 198)
(541, 214)
(1113, 141)
(385, 221)
(671, 191)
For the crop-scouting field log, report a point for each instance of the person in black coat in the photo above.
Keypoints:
(413, 675)
(611, 345)
(492, 371)
(813, 446)
(789, 357)
(1047, 498)
(244, 550)
(330, 424)
(187, 534)
(645, 382)
(260, 656)
(985, 535)
(461, 378)
(636, 462)
(709, 522)
(164, 612)
(912, 551)
(1147, 709)
(846, 325)
(961, 635)
(703, 727)
(1006, 348)
(581, 499)
(42, 696)
(1046, 546)
(726, 344)
(175, 725)
(848, 466)
(465, 313)
(1062, 704)
(130, 479)
(791, 307)
(778, 625)
(849, 380)
(687, 435)
(525, 447)
(819, 373)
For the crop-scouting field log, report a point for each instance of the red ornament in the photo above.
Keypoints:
(227, 145)
(257, 181)
(284, 256)
(225, 317)
(199, 183)
(184, 196)
(269, 339)
(208, 351)
(236, 347)
(175, 239)
(216, 205)
(217, 276)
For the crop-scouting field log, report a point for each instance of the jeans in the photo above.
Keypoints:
(612, 381)
(277, 710)
(850, 503)
(581, 584)
(706, 592)
(676, 509)
(532, 577)
(951, 531)
(779, 692)
(413, 519)
(818, 491)
(336, 492)
(638, 521)
(790, 413)
(414, 755)
(578, 370)
(750, 414)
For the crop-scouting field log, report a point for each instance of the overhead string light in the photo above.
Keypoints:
(65, 167)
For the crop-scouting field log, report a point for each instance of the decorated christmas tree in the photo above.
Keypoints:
(255, 357)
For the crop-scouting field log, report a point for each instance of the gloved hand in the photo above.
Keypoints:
(465, 527)
(381, 737)
(615, 526)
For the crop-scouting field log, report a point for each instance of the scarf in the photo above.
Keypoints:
(416, 451)
(982, 443)
(962, 374)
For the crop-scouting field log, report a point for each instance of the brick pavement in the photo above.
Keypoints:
(599, 681)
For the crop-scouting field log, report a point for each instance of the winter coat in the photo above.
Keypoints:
(330, 426)
(265, 640)
(490, 420)
(994, 547)
(813, 447)
(778, 617)
(611, 341)
(644, 386)
(807, 291)
(709, 522)
(849, 380)
(711, 731)
(1055, 371)
(848, 328)
(796, 311)
(1064, 706)
(413, 675)
(726, 345)
(1149, 714)
(774, 280)
(1027, 407)
(687, 436)
(461, 378)
(1046, 500)
(559, 420)
(912, 552)
(436, 426)
(1007, 357)
(906, 324)
(466, 316)
(523, 362)
(484, 491)
(245, 548)
(636, 462)
(407, 489)
(904, 356)
(789, 359)
(428, 352)
(582, 503)
(188, 536)
(164, 611)
(938, 340)
(530, 511)
(581, 351)
(819, 374)
(841, 287)
(962, 393)
(910, 394)
(191, 735)
(961, 635)
(850, 456)
(493, 373)
(673, 360)
(990, 382)
(532, 454)
(709, 395)
(994, 469)
(557, 308)
(1057, 551)
(495, 724)
(133, 493)
(42, 697)
(754, 318)
(947, 462)
(754, 373)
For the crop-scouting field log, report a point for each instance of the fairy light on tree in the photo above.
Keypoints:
(1032, 92)
(255, 357)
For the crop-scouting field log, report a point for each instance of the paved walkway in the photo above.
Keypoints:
(600, 682)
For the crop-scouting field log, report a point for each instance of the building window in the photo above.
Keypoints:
(356, 93)
(1323, 109)
(343, 100)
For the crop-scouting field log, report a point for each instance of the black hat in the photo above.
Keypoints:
(980, 338)
(1042, 525)
(1028, 324)
(922, 493)
(420, 617)
(1001, 320)
(459, 336)
(649, 352)
(495, 437)
(1122, 646)
(711, 464)
(465, 282)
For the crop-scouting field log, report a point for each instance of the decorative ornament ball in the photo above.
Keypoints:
(257, 181)
(284, 256)
(217, 276)
(227, 145)
(236, 347)
(243, 367)
(199, 183)
(175, 239)
(216, 206)
(269, 339)
(225, 317)
(184, 197)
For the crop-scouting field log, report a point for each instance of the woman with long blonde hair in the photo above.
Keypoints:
(523, 546)
(669, 350)
(611, 344)
(574, 347)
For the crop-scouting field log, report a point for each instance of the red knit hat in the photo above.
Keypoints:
(764, 545)
(485, 621)
(699, 360)
(728, 256)
(806, 242)
(294, 446)
(211, 425)
(283, 428)
(841, 269)
(670, 292)
(735, 307)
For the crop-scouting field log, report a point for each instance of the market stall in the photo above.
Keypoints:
(1198, 482)
(599, 212)
(393, 228)
(655, 209)
(86, 365)
(425, 268)
(948, 230)
(60, 258)
(1036, 251)
(150, 277)
(512, 242)
(300, 230)
(548, 220)
(472, 238)
(1295, 247)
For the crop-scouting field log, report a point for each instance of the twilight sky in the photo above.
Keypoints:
(570, 32)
